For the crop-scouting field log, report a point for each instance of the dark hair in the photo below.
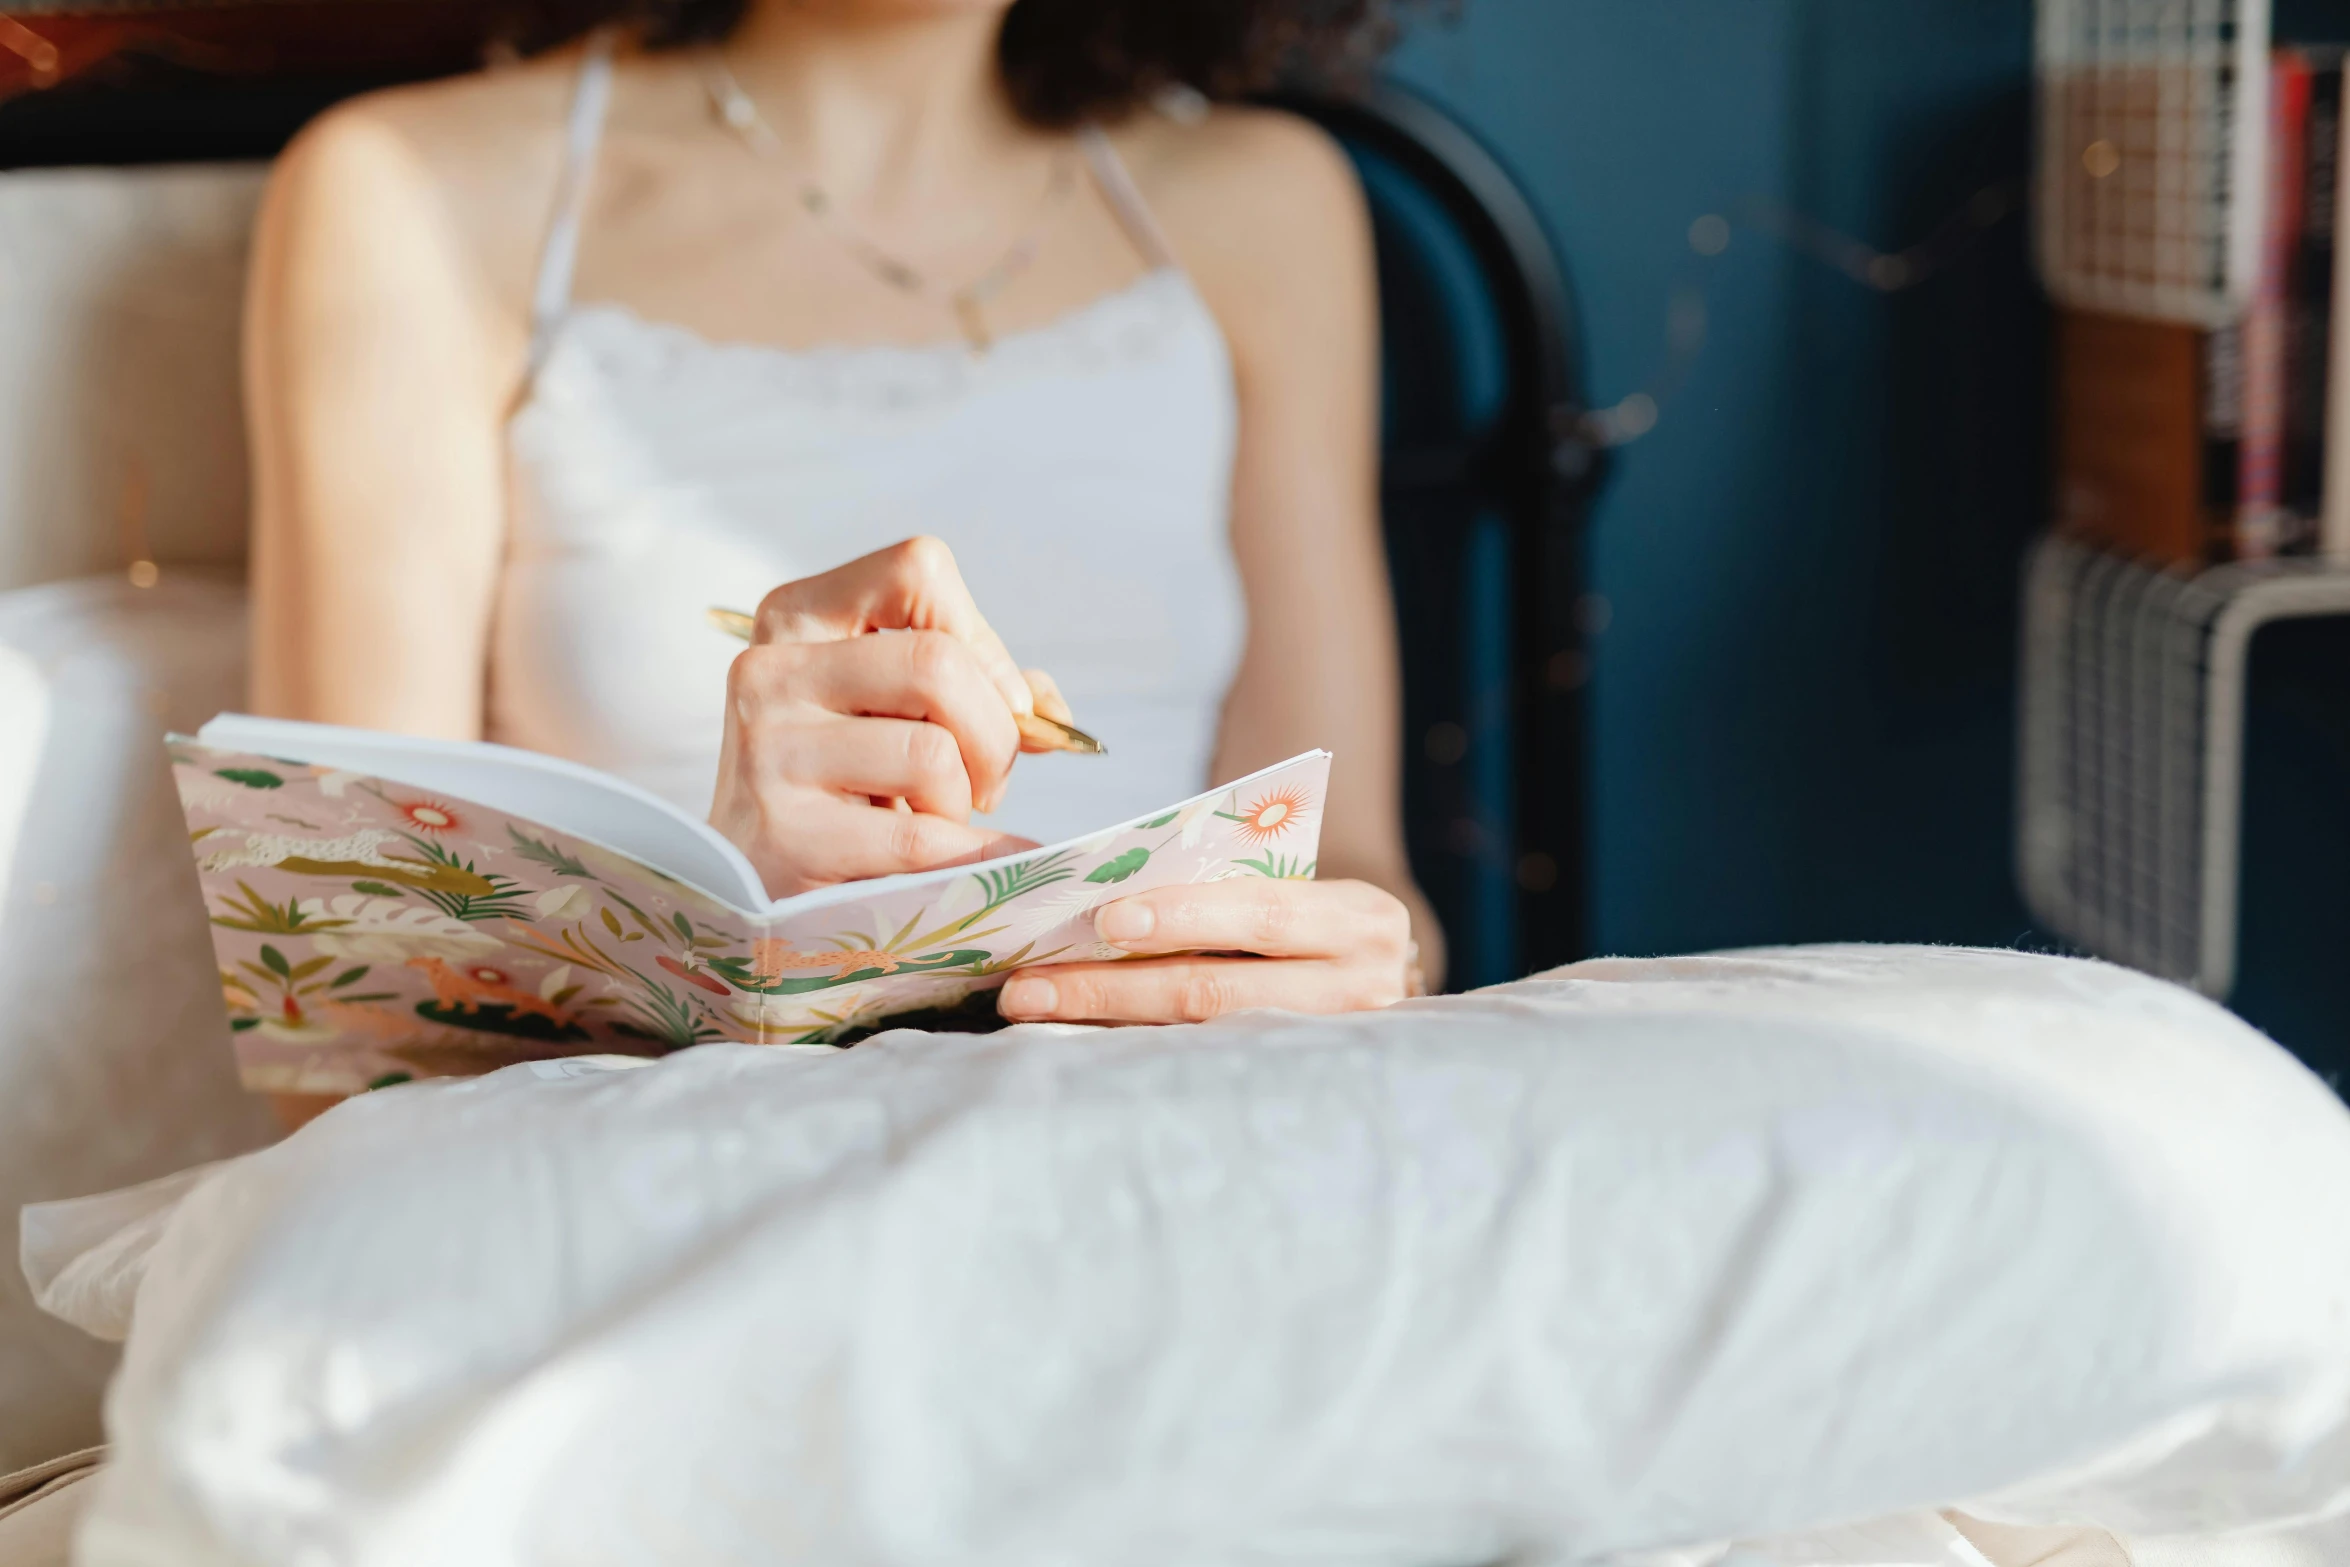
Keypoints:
(1070, 60)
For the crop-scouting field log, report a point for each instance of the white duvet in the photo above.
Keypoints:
(1622, 1263)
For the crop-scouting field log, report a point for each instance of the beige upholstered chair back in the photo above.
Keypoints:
(121, 430)
(120, 440)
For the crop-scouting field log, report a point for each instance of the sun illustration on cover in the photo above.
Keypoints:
(428, 815)
(1274, 814)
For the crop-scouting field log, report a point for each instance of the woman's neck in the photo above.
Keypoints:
(885, 109)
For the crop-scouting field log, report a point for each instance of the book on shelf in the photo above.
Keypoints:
(386, 908)
(2310, 312)
(2260, 524)
(2327, 276)
(2149, 434)
(2193, 445)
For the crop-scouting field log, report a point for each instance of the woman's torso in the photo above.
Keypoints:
(1080, 470)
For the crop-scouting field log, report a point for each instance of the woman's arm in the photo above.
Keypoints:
(377, 367)
(1290, 272)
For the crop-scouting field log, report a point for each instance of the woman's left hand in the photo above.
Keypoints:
(1302, 946)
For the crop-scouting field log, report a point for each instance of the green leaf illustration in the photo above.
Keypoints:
(960, 958)
(276, 961)
(1160, 821)
(501, 898)
(637, 914)
(262, 917)
(1122, 867)
(250, 777)
(663, 1017)
(349, 976)
(390, 1079)
(1002, 886)
(549, 855)
(375, 889)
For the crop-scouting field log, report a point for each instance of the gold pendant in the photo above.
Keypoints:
(973, 323)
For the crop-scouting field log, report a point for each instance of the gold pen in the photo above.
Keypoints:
(1035, 729)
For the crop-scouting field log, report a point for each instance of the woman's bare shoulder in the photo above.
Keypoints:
(1237, 167)
(1262, 208)
(469, 127)
(470, 160)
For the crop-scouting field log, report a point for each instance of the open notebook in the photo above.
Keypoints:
(386, 908)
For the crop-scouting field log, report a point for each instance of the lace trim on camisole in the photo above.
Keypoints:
(1134, 322)
(552, 308)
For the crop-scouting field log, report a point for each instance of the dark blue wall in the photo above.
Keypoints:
(1805, 682)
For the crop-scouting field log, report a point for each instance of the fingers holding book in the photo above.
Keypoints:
(1198, 952)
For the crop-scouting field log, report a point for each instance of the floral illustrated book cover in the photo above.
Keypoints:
(386, 909)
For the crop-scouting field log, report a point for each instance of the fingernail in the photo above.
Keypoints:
(1028, 997)
(1125, 923)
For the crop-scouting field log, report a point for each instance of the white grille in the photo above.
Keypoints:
(2132, 747)
(2150, 190)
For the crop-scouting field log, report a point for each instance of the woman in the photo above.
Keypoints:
(914, 307)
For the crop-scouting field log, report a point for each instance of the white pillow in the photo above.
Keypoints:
(1627, 1259)
(114, 1055)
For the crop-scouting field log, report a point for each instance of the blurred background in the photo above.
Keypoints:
(1814, 347)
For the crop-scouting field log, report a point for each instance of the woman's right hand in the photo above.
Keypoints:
(849, 754)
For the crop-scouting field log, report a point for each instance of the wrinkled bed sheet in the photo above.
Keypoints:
(1620, 1264)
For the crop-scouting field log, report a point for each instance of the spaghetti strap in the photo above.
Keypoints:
(550, 295)
(1125, 198)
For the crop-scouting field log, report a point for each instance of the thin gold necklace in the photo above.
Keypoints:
(737, 111)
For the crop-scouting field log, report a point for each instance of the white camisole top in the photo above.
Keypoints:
(1081, 472)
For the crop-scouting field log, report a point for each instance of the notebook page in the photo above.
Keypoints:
(560, 794)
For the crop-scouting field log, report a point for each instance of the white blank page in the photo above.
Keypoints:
(545, 789)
